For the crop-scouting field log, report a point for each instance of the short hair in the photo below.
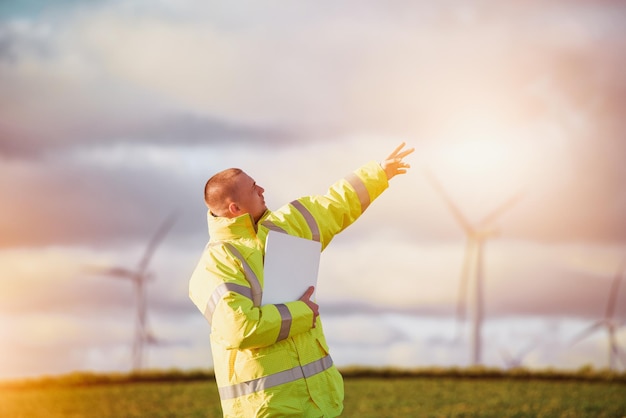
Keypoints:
(219, 188)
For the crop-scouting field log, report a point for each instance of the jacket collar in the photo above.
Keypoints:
(222, 229)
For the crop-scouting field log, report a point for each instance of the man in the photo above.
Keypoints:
(273, 360)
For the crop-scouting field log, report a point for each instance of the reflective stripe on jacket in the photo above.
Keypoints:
(268, 359)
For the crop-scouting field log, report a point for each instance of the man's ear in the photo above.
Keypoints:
(234, 209)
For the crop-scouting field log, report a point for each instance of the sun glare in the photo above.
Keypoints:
(481, 162)
(480, 142)
(479, 154)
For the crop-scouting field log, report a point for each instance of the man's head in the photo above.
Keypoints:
(231, 193)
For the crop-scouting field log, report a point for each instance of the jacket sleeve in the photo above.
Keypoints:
(219, 288)
(345, 201)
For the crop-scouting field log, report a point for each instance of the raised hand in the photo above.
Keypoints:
(394, 164)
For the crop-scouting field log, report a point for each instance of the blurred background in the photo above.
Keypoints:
(113, 114)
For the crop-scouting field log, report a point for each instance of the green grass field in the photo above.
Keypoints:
(375, 395)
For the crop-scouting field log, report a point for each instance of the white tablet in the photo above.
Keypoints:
(291, 265)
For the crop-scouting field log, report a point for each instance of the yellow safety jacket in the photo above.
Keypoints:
(269, 360)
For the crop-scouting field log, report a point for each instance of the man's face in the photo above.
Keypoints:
(250, 199)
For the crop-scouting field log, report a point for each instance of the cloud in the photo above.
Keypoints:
(162, 72)
(520, 278)
(58, 94)
(81, 205)
(335, 70)
(162, 129)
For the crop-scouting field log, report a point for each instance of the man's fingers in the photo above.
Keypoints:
(396, 154)
(395, 151)
(306, 298)
(406, 152)
(308, 293)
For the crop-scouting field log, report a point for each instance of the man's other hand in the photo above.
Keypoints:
(306, 298)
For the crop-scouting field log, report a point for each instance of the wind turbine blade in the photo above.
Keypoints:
(610, 307)
(586, 332)
(163, 229)
(456, 212)
(117, 272)
(507, 358)
(490, 218)
(150, 339)
(530, 347)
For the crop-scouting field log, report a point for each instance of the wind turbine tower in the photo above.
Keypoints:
(139, 277)
(609, 322)
(473, 263)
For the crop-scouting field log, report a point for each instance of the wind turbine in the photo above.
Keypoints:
(609, 322)
(517, 360)
(139, 277)
(476, 237)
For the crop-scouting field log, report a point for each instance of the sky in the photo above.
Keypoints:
(113, 114)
